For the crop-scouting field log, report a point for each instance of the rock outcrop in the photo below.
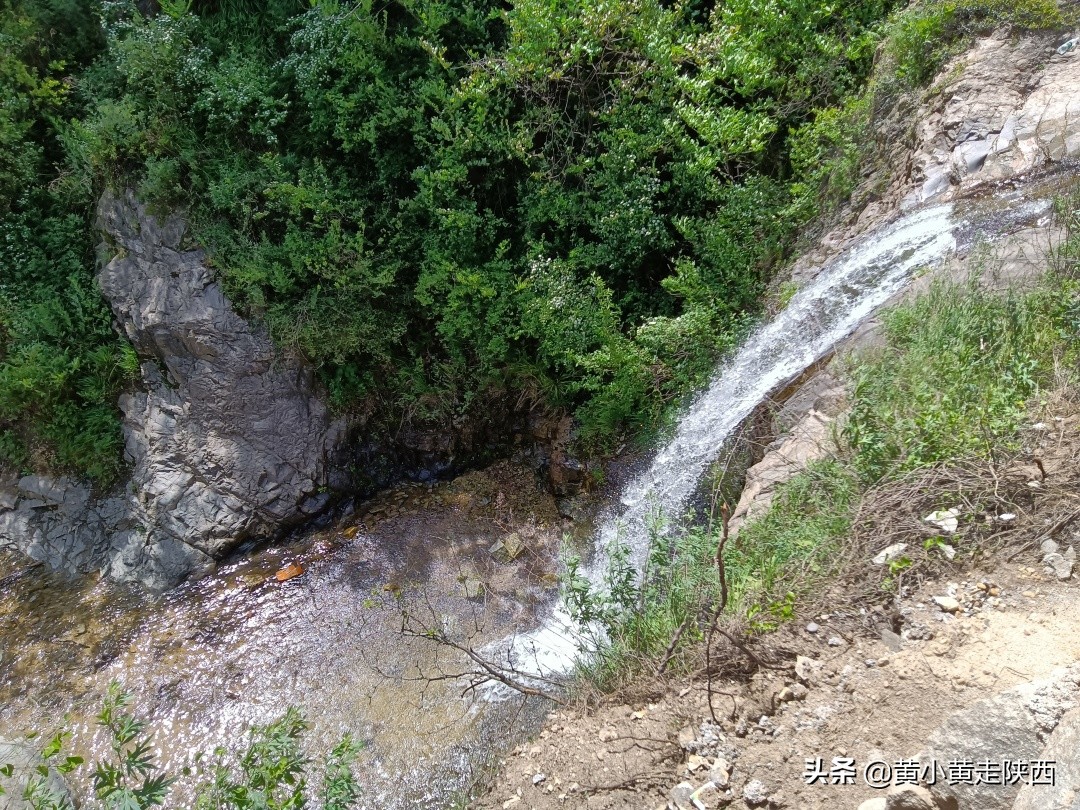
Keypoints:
(1011, 726)
(1003, 109)
(228, 440)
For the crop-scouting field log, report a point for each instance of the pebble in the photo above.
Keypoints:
(754, 793)
(812, 627)
(947, 604)
(539, 778)
(1049, 547)
(836, 641)
(799, 691)
(696, 762)
(720, 773)
(682, 796)
(1059, 566)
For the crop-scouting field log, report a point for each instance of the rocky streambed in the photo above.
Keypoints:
(315, 622)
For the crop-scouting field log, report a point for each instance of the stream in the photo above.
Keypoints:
(212, 657)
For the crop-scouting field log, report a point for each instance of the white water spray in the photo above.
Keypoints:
(843, 294)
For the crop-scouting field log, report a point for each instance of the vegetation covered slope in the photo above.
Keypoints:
(436, 202)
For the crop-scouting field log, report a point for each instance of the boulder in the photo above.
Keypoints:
(1063, 749)
(1008, 727)
(226, 438)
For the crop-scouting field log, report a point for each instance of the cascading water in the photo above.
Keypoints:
(844, 293)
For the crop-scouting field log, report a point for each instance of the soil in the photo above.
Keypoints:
(878, 680)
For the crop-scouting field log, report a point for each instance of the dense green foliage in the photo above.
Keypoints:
(435, 201)
(269, 774)
(61, 365)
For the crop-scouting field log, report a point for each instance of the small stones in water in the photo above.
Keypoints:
(290, 571)
(509, 548)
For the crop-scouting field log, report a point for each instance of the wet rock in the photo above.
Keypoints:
(290, 571)
(25, 762)
(1007, 727)
(227, 440)
(509, 548)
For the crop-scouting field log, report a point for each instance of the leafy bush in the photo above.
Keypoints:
(408, 194)
(270, 774)
(61, 365)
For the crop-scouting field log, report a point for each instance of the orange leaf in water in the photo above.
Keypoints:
(288, 572)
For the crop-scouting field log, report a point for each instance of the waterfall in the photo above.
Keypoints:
(843, 294)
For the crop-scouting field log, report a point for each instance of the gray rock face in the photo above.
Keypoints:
(1011, 726)
(1063, 749)
(227, 442)
(25, 762)
(1005, 108)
